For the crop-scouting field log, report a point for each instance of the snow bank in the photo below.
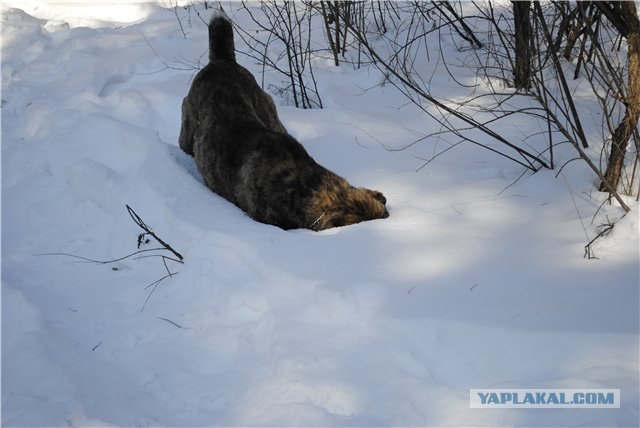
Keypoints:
(472, 282)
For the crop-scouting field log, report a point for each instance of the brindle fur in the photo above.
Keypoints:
(244, 153)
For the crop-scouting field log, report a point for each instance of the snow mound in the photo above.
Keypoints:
(472, 282)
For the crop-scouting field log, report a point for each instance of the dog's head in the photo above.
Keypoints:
(350, 205)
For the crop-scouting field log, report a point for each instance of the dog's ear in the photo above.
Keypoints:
(379, 197)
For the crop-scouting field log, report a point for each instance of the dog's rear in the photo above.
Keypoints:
(232, 86)
(244, 153)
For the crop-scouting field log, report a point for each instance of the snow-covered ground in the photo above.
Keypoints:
(469, 283)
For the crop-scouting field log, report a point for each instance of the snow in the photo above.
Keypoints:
(476, 280)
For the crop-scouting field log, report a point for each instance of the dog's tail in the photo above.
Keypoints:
(221, 44)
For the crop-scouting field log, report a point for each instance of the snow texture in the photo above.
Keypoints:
(472, 282)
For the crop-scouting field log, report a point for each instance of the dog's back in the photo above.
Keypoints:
(244, 153)
(239, 101)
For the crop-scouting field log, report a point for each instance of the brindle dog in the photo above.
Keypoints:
(244, 153)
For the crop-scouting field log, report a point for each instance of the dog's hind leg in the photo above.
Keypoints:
(188, 128)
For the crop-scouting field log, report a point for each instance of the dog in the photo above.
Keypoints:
(245, 154)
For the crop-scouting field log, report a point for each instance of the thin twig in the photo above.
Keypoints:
(155, 284)
(136, 218)
(104, 262)
(171, 322)
(605, 230)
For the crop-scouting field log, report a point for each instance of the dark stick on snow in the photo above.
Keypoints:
(137, 220)
(171, 322)
(105, 262)
(154, 285)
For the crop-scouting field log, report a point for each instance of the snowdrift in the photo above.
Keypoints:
(472, 282)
